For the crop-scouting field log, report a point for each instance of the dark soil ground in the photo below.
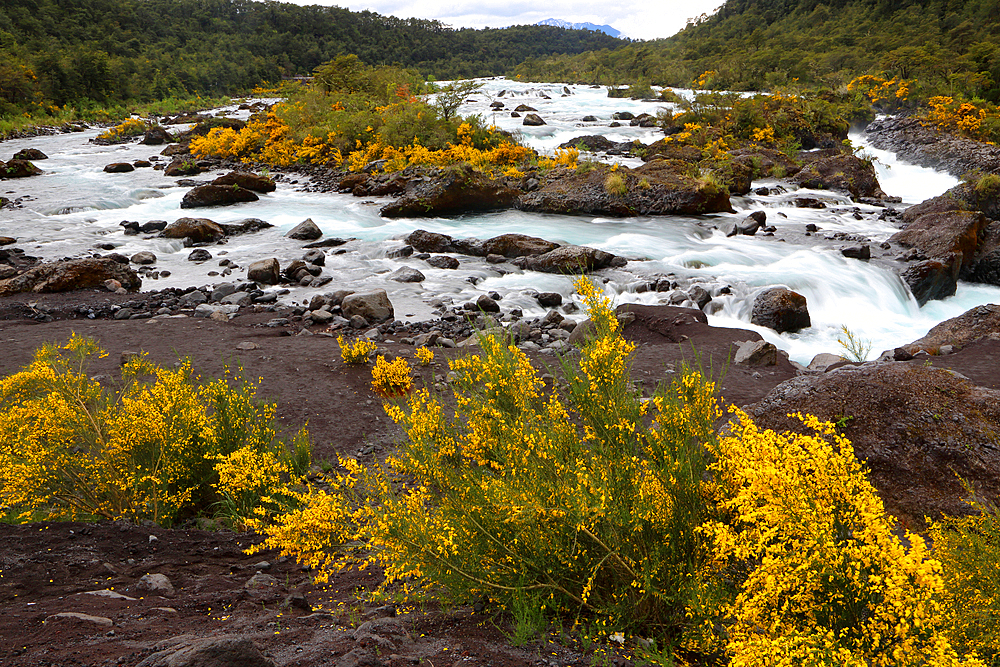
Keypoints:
(54, 568)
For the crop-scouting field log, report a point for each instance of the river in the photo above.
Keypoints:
(74, 206)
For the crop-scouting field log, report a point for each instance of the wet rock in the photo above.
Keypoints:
(265, 271)
(970, 326)
(424, 241)
(181, 167)
(315, 257)
(549, 299)
(487, 304)
(199, 230)
(933, 278)
(522, 108)
(245, 226)
(307, 230)
(70, 275)
(406, 274)
(533, 120)
(748, 226)
(156, 136)
(780, 309)
(862, 252)
(30, 154)
(700, 296)
(374, 306)
(143, 257)
(18, 169)
(119, 168)
(919, 430)
(247, 180)
(942, 234)
(570, 259)
(841, 173)
(217, 195)
(443, 262)
(517, 245)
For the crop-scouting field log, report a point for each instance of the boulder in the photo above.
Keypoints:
(181, 167)
(406, 274)
(456, 189)
(748, 226)
(781, 309)
(217, 195)
(944, 233)
(374, 306)
(199, 230)
(862, 252)
(841, 173)
(933, 278)
(594, 143)
(443, 262)
(307, 230)
(919, 430)
(72, 274)
(671, 150)
(756, 353)
(424, 241)
(570, 260)
(766, 162)
(143, 257)
(119, 168)
(245, 226)
(487, 304)
(156, 136)
(199, 255)
(30, 154)
(533, 120)
(18, 169)
(521, 108)
(247, 180)
(265, 272)
(517, 245)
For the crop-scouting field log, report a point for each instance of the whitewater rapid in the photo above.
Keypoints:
(74, 206)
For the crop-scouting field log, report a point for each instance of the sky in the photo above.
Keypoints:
(649, 20)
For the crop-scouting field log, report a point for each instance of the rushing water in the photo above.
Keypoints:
(74, 206)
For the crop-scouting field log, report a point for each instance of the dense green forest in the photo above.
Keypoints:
(949, 46)
(57, 52)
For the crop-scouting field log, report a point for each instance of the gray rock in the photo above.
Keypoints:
(99, 620)
(699, 295)
(486, 304)
(407, 274)
(265, 271)
(443, 262)
(756, 353)
(260, 581)
(210, 652)
(824, 360)
(193, 298)
(862, 252)
(781, 309)
(307, 230)
(321, 316)
(199, 255)
(316, 257)
(374, 306)
(533, 119)
(157, 583)
(222, 291)
(144, 257)
(237, 299)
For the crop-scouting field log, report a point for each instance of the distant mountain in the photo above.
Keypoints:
(559, 23)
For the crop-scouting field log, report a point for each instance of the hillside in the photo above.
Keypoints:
(65, 51)
(950, 46)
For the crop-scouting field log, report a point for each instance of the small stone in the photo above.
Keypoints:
(247, 345)
(157, 583)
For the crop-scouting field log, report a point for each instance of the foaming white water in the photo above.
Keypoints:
(74, 206)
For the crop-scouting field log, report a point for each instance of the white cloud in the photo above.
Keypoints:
(645, 21)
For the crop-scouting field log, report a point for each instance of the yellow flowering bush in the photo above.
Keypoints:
(391, 378)
(71, 448)
(423, 355)
(358, 352)
(825, 579)
(131, 127)
(964, 118)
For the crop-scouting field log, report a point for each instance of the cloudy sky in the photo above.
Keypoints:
(640, 20)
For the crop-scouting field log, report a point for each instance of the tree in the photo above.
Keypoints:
(453, 95)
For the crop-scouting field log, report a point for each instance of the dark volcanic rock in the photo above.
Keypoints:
(933, 278)
(454, 190)
(181, 167)
(929, 148)
(920, 431)
(30, 154)
(70, 275)
(217, 195)
(945, 233)
(245, 226)
(661, 187)
(780, 309)
(119, 168)
(842, 173)
(246, 180)
(517, 245)
(970, 326)
(307, 230)
(424, 241)
(156, 136)
(533, 119)
(199, 230)
(18, 169)
(570, 259)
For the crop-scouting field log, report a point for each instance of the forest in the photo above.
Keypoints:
(952, 47)
(87, 52)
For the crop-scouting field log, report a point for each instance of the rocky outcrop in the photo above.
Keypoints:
(917, 144)
(72, 274)
(847, 174)
(919, 430)
(247, 180)
(454, 190)
(781, 309)
(942, 234)
(766, 162)
(199, 230)
(217, 195)
(972, 325)
(660, 187)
